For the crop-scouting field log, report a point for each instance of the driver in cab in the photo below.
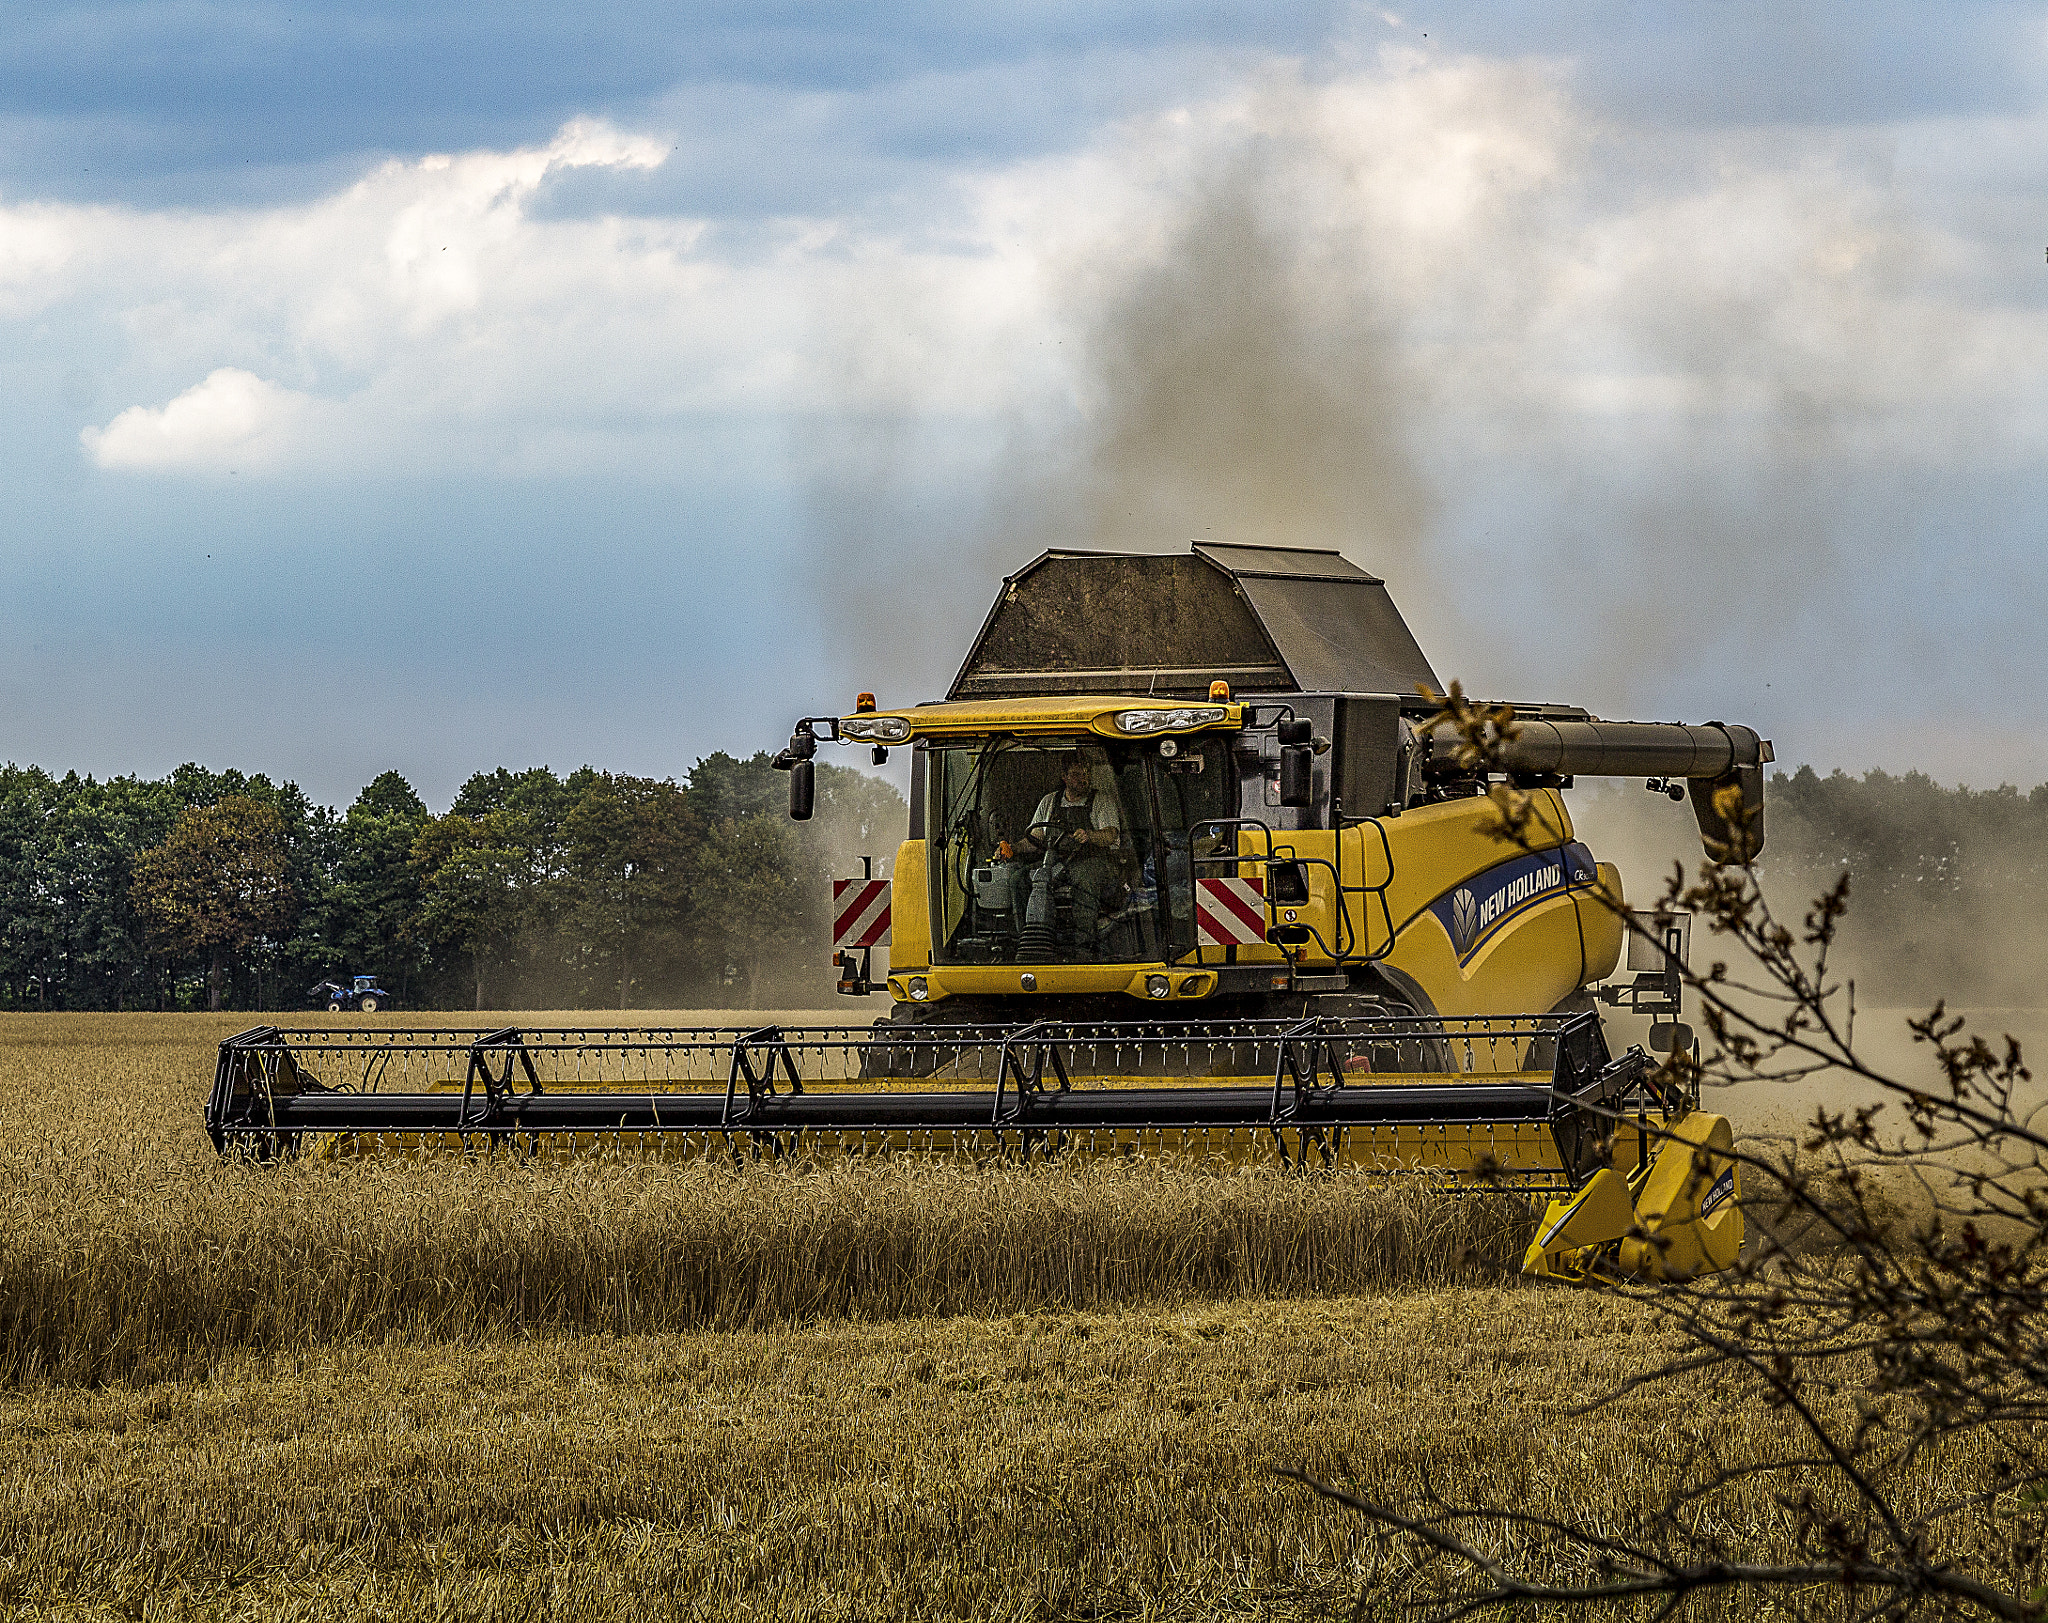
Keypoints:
(1080, 822)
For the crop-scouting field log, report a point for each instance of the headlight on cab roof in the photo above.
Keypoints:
(875, 729)
(1166, 721)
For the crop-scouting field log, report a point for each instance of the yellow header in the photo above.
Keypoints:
(1110, 716)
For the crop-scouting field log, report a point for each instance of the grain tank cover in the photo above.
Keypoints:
(1264, 619)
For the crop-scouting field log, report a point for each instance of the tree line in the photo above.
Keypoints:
(1948, 887)
(599, 889)
(209, 889)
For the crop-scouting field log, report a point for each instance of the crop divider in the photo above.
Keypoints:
(255, 1068)
(1021, 1060)
(1593, 1095)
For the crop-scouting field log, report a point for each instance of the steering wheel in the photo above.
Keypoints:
(1041, 835)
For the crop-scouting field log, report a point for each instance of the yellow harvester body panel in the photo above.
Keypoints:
(1539, 918)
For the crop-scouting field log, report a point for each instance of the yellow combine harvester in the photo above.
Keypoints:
(1203, 786)
(1187, 871)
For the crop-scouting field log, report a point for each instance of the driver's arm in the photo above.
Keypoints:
(1107, 830)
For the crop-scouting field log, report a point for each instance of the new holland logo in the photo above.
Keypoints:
(1472, 912)
(1464, 921)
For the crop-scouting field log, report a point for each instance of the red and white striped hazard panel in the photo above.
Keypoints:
(1230, 912)
(860, 913)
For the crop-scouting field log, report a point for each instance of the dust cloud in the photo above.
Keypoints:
(1236, 402)
(1234, 378)
(1961, 942)
(1657, 419)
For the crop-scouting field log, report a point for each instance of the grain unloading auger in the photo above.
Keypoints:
(1532, 1103)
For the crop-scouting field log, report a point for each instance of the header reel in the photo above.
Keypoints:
(1534, 1103)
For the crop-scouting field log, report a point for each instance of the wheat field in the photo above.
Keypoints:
(680, 1389)
(133, 1252)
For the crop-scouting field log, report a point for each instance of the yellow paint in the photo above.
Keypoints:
(1678, 1239)
(1050, 714)
(910, 913)
(1598, 1215)
(1530, 963)
(1600, 917)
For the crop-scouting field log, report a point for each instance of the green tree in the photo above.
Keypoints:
(218, 884)
(628, 843)
(99, 831)
(374, 890)
(31, 904)
(752, 904)
(308, 831)
(722, 786)
(1948, 881)
(477, 886)
(540, 801)
(541, 959)
(857, 815)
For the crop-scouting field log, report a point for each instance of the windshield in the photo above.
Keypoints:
(1076, 850)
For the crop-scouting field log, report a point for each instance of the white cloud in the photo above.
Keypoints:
(232, 420)
(1726, 406)
(422, 314)
(1531, 265)
(37, 244)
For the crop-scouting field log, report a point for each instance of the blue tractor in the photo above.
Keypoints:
(362, 993)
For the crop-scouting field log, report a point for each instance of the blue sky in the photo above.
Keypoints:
(440, 388)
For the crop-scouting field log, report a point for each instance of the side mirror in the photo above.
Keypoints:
(1297, 763)
(1665, 1035)
(803, 773)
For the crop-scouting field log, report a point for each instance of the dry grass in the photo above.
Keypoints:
(1032, 1466)
(128, 1251)
(99, 1282)
(360, 1390)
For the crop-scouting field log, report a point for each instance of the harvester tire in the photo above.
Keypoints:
(881, 1057)
(888, 1053)
(368, 1005)
(1422, 1049)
